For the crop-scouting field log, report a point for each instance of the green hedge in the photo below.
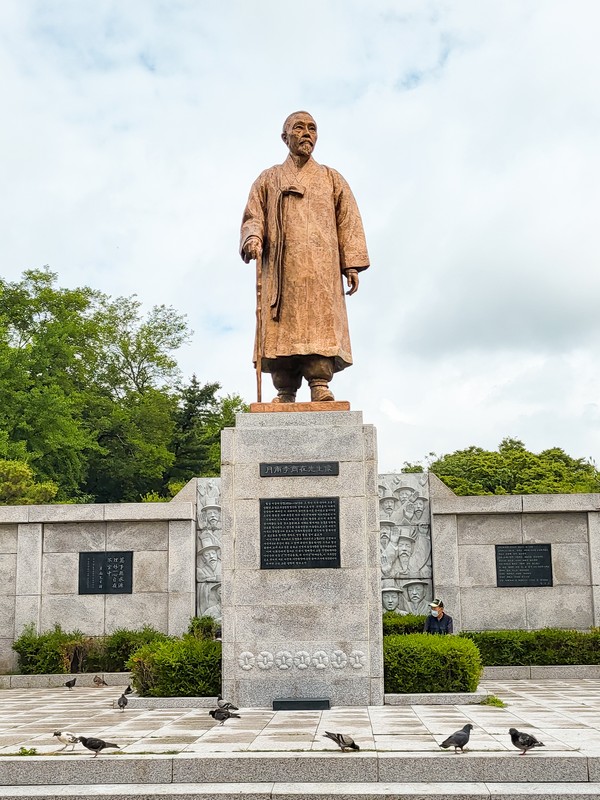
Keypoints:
(402, 623)
(419, 662)
(546, 647)
(60, 652)
(186, 667)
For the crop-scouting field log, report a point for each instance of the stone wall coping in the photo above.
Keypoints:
(515, 504)
(535, 672)
(101, 512)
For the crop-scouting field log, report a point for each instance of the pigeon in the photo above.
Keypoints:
(458, 739)
(122, 702)
(222, 714)
(524, 741)
(344, 741)
(96, 745)
(67, 738)
(224, 704)
(128, 690)
(99, 681)
(70, 684)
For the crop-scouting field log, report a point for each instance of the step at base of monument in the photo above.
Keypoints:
(300, 767)
(307, 791)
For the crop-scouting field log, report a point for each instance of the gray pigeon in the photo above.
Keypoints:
(524, 741)
(128, 690)
(70, 684)
(224, 704)
(458, 739)
(67, 738)
(96, 745)
(343, 741)
(122, 702)
(222, 714)
(98, 681)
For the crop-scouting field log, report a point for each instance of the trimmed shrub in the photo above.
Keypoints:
(119, 646)
(186, 667)
(420, 662)
(402, 623)
(546, 647)
(203, 627)
(54, 652)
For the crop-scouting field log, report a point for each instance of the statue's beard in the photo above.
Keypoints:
(404, 559)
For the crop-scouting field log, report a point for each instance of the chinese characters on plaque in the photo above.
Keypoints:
(106, 573)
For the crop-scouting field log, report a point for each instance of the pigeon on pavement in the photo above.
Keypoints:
(222, 714)
(67, 738)
(122, 702)
(224, 704)
(524, 741)
(96, 745)
(344, 741)
(99, 681)
(70, 684)
(128, 690)
(458, 739)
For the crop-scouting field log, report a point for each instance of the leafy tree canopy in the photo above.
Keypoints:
(512, 469)
(91, 396)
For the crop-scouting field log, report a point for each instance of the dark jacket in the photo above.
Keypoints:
(435, 625)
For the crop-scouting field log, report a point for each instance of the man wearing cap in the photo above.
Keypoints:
(303, 225)
(437, 620)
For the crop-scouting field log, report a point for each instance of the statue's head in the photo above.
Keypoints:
(300, 133)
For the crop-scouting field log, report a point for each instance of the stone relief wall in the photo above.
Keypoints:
(208, 548)
(405, 543)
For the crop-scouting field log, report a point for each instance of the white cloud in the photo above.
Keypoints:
(132, 132)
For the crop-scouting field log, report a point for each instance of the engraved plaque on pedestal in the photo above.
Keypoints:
(300, 533)
(523, 565)
(106, 573)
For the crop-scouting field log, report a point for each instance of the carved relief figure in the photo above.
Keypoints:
(416, 596)
(405, 539)
(208, 551)
(302, 224)
(390, 596)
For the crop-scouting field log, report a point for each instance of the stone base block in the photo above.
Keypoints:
(268, 408)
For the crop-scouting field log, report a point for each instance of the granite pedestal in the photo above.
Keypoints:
(290, 630)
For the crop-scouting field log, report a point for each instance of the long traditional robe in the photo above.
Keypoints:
(311, 230)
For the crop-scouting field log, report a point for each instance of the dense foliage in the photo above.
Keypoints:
(512, 470)
(402, 623)
(186, 667)
(61, 652)
(420, 662)
(550, 646)
(93, 408)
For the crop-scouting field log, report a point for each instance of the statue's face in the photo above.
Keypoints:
(210, 556)
(404, 548)
(300, 135)
(390, 600)
(388, 506)
(416, 592)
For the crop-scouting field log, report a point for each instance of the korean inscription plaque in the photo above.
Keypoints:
(523, 565)
(106, 573)
(300, 533)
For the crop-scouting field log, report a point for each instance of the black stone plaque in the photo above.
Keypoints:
(106, 573)
(523, 565)
(300, 533)
(299, 469)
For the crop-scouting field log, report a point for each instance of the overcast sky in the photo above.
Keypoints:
(468, 130)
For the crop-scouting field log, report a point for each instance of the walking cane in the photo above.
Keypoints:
(259, 326)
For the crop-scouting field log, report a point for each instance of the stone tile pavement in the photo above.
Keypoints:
(565, 715)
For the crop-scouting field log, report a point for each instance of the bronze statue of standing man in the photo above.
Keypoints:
(303, 223)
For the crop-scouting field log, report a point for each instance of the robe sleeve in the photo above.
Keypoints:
(254, 219)
(351, 235)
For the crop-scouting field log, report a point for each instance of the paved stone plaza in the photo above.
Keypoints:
(565, 715)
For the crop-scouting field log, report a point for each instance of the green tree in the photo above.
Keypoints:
(513, 469)
(18, 487)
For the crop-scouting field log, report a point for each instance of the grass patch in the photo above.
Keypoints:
(492, 700)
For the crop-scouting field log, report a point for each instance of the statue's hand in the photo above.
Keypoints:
(252, 249)
(352, 279)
